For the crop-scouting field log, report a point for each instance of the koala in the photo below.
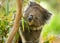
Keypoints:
(36, 16)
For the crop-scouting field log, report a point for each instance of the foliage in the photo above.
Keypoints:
(53, 29)
(6, 20)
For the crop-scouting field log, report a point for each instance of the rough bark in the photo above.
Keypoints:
(16, 22)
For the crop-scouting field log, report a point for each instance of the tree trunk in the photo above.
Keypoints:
(16, 22)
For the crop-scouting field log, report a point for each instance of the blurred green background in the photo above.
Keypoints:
(8, 11)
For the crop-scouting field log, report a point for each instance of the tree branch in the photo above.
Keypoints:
(16, 22)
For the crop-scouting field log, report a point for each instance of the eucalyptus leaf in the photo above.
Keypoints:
(23, 23)
(7, 7)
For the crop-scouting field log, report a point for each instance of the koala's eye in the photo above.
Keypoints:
(31, 16)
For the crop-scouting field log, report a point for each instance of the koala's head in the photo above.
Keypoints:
(36, 15)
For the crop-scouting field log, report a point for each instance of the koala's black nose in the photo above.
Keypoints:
(30, 18)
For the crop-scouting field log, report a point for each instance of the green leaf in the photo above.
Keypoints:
(23, 23)
(46, 41)
(7, 7)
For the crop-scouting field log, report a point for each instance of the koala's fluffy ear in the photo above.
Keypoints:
(31, 3)
(46, 15)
